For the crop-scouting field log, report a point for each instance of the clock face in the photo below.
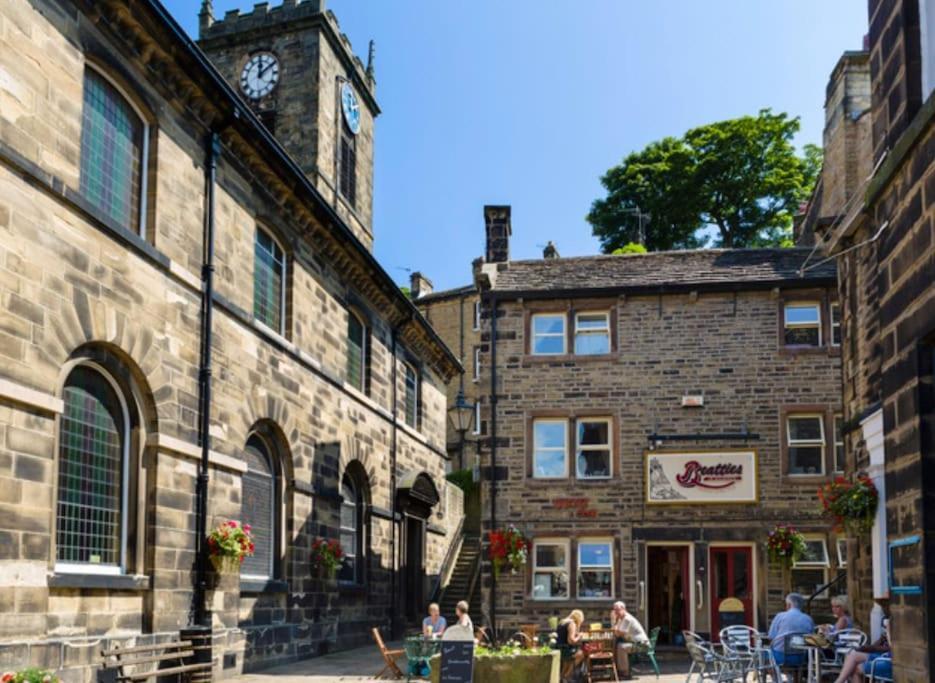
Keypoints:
(260, 75)
(351, 108)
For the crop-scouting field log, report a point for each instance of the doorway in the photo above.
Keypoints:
(731, 587)
(414, 568)
(668, 590)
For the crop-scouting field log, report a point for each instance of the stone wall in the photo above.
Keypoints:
(77, 287)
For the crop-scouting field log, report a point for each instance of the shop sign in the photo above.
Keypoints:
(697, 477)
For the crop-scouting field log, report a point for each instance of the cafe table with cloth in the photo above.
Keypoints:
(419, 650)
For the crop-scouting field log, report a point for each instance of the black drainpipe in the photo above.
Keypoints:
(202, 617)
(395, 560)
(493, 455)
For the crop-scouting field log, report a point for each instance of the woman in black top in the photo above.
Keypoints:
(569, 640)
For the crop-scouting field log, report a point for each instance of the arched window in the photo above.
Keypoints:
(113, 153)
(356, 352)
(352, 531)
(258, 508)
(412, 396)
(91, 516)
(269, 281)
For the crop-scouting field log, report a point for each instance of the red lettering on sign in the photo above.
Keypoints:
(718, 476)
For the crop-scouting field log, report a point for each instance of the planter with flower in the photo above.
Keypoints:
(228, 544)
(851, 504)
(785, 544)
(508, 547)
(30, 675)
(327, 555)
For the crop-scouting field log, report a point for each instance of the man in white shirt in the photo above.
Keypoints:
(630, 635)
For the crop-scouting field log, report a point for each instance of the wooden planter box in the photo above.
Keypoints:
(544, 668)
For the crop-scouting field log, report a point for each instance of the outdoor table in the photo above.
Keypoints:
(419, 650)
(814, 664)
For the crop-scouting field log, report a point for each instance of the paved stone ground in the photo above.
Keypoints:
(360, 665)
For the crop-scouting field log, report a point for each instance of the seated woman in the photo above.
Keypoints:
(857, 663)
(569, 641)
(842, 617)
(434, 624)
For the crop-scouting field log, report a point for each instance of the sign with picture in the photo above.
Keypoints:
(699, 477)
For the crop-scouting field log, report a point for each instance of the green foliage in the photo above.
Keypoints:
(741, 179)
(511, 650)
(231, 540)
(630, 248)
(30, 675)
(406, 292)
(463, 479)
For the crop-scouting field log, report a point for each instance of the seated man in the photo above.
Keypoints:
(630, 636)
(792, 621)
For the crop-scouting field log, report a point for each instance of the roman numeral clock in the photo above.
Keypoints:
(260, 75)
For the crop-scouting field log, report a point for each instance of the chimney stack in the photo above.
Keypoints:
(550, 251)
(419, 285)
(499, 229)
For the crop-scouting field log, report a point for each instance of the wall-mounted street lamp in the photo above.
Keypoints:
(461, 416)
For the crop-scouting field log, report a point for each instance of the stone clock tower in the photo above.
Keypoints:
(297, 71)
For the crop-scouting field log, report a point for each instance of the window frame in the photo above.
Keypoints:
(842, 557)
(564, 449)
(580, 567)
(815, 564)
(837, 436)
(417, 383)
(595, 447)
(786, 325)
(269, 451)
(476, 428)
(533, 335)
(807, 443)
(564, 543)
(476, 321)
(577, 331)
(476, 376)
(141, 219)
(832, 325)
(283, 285)
(362, 351)
(347, 139)
(91, 568)
(359, 530)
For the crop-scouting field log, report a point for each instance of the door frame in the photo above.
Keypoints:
(644, 583)
(756, 577)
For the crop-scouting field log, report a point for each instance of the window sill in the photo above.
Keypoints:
(535, 359)
(118, 582)
(810, 350)
(263, 586)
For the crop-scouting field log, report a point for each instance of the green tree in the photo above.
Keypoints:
(740, 180)
(631, 248)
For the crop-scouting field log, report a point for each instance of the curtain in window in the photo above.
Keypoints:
(111, 152)
(257, 508)
(92, 450)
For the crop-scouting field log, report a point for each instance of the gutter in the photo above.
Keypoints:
(493, 456)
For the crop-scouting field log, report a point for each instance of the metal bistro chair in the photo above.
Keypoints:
(746, 644)
(795, 654)
(648, 650)
(693, 638)
(712, 666)
(881, 662)
(844, 641)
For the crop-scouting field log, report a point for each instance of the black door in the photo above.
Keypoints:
(415, 568)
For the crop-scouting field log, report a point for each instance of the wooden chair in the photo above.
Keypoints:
(601, 656)
(389, 658)
(531, 631)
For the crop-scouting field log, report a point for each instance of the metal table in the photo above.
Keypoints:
(419, 650)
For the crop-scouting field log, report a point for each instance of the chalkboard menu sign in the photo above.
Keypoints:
(457, 661)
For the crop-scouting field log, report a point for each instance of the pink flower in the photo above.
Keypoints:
(232, 524)
(247, 528)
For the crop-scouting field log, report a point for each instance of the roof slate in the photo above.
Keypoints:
(727, 268)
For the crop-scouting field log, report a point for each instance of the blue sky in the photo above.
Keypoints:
(528, 102)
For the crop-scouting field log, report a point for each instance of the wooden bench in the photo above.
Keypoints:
(136, 663)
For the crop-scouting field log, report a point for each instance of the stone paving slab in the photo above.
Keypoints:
(359, 665)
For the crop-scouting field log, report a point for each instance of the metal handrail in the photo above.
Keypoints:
(831, 584)
(450, 556)
(475, 572)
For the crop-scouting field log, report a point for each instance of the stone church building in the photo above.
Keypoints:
(186, 276)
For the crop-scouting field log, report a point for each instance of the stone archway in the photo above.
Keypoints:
(416, 495)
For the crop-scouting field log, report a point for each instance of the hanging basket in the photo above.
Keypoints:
(225, 564)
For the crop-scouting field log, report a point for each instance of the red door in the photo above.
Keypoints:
(731, 588)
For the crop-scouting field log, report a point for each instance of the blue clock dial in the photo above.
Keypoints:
(350, 107)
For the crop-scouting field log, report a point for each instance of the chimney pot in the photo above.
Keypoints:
(499, 228)
(419, 285)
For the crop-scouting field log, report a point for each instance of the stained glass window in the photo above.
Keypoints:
(112, 152)
(269, 268)
(356, 351)
(92, 461)
(257, 508)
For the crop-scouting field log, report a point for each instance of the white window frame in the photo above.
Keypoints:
(476, 429)
(476, 325)
(837, 427)
(787, 325)
(842, 556)
(594, 447)
(815, 564)
(563, 449)
(592, 331)
(476, 364)
(144, 148)
(357, 530)
(533, 336)
(285, 275)
(835, 306)
(581, 567)
(790, 443)
(564, 543)
(104, 569)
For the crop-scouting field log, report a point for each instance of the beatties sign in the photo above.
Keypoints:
(719, 476)
(691, 477)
